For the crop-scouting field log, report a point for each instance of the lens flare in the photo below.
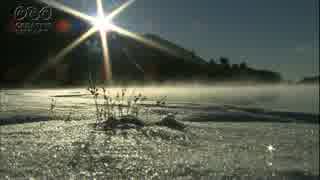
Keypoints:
(107, 73)
(55, 60)
(103, 24)
(68, 10)
(143, 40)
(114, 13)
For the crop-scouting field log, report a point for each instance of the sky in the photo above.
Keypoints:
(279, 35)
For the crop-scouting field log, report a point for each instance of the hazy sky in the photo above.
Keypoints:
(281, 35)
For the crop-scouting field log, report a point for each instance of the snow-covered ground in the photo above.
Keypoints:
(221, 141)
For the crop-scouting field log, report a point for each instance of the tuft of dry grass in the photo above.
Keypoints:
(52, 108)
(109, 106)
(3, 101)
(161, 101)
(115, 107)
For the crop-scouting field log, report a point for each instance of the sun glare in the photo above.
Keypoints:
(102, 23)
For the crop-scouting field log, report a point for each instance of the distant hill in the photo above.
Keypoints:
(310, 80)
(186, 54)
(131, 61)
(147, 63)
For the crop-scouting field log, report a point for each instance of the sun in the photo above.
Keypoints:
(102, 23)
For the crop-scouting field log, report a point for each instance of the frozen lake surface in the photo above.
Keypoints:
(236, 132)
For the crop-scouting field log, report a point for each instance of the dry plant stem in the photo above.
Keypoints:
(94, 92)
(53, 105)
(113, 108)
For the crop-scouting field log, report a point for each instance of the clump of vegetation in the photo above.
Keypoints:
(121, 110)
(162, 101)
(69, 117)
(52, 108)
(52, 114)
(171, 122)
(124, 110)
(3, 101)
